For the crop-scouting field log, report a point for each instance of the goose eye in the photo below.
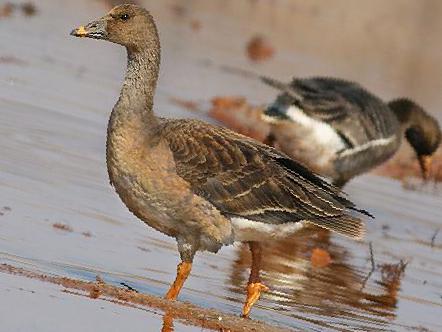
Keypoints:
(124, 17)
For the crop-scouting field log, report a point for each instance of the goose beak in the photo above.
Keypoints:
(425, 163)
(95, 29)
(79, 32)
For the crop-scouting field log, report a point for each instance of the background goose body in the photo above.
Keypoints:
(204, 185)
(336, 127)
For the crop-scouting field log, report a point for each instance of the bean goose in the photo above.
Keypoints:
(206, 186)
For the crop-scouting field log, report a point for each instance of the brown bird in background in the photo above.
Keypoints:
(204, 185)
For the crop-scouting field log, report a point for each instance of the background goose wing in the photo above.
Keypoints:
(244, 178)
(317, 97)
(357, 115)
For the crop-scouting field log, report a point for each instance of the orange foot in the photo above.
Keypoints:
(253, 293)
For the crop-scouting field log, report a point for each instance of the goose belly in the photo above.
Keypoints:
(145, 178)
(249, 230)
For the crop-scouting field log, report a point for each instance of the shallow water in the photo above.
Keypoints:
(54, 103)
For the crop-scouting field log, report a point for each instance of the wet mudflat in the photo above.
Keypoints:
(59, 216)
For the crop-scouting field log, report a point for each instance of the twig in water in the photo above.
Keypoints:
(128, 287)
(433, 238)
(239, 71)
(373, 266)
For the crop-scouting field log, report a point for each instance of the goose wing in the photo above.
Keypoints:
(354, 113)
(244, 178)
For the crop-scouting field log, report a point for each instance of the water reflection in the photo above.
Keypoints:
(332, 297)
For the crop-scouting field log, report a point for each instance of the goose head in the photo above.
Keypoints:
(421, 130)
(127, 25)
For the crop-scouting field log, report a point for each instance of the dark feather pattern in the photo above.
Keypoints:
(244, 178)
(357, 114)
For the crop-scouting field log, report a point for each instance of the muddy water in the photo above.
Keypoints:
(55, 97)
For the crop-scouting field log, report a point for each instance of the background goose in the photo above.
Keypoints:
(341, 130)
(204, 185)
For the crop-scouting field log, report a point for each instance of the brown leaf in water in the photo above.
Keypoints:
(320, 258)
(63, 227)
(259, 49)
(187, 104)
(391, 275)
(95, 292)
(29, 9)
(195, 25)
(6, 9)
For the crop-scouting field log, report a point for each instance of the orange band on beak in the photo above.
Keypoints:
(425, 163)
(80, 31)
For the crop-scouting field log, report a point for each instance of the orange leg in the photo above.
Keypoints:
(183, 271)
(254, 287)
(168, 322)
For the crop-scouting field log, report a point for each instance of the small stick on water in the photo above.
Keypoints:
(433, 238)
(239, 71)
(373, 266)
(128, 287)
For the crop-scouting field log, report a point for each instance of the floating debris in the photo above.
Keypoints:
(128, 287)
(187, 104)
(95, 291)
(6, 9)
(391, 275)
(320, 258)
(5, 210)
(179, 10)
(28, 9)
(11, 60)
(144, 249)
(195, 25)
(433, 238)
(373, 267)
(63, 227)
(259, 49)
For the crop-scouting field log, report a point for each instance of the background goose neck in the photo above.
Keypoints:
(407, 112)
